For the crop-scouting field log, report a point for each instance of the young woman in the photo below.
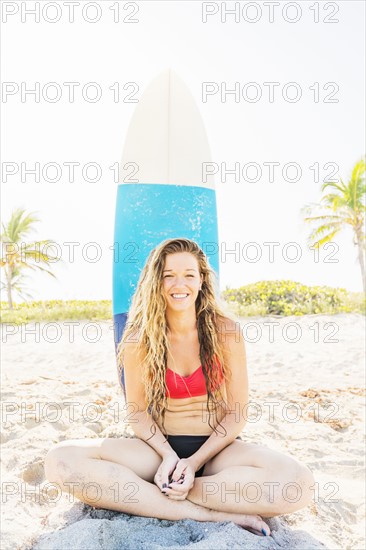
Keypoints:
(186, 382)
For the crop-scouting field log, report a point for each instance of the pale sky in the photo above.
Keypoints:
(172, 34)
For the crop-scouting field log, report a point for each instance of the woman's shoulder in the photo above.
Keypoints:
(134, 345)
(227, 326)
(132, 337)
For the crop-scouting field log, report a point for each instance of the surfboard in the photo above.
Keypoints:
(161, 193)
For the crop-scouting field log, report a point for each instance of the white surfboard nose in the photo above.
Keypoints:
(166, 137)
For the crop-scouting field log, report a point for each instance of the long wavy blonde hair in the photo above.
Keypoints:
(146, 318)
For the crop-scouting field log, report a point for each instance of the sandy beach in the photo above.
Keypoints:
(306, 374)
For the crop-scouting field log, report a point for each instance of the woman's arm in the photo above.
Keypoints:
(141, 424)
(237, 393)
(140, 420)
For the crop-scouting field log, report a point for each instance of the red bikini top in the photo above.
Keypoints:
(179, 387)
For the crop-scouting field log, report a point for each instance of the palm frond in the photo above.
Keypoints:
(19, 254)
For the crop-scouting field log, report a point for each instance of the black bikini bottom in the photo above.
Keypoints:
(187, 445)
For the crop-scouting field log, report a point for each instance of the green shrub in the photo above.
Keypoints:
(292, 298)
(57, 310)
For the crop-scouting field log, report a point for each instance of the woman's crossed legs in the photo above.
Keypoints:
(118, 474)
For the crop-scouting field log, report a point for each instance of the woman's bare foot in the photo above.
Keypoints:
(252, 523)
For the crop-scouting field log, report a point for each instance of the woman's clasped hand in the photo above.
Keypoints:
(175, 477)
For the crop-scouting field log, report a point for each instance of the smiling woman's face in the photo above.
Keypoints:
(181, 277)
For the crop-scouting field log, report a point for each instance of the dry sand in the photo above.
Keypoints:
(309, 372)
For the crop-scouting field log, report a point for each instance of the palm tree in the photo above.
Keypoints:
(345, 205)
(17, 255)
